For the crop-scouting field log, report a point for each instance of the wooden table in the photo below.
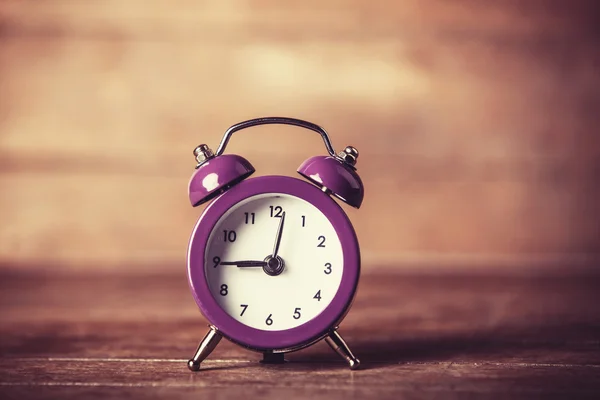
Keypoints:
(452, 335)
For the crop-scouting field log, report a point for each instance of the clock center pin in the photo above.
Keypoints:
(275, 265)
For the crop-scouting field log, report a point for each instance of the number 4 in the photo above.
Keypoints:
(317, 296)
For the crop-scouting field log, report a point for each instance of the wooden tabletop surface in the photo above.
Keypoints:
(452, 335)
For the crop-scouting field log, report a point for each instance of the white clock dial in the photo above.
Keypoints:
(309, 247)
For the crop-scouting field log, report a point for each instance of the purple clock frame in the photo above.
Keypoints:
(284, 340)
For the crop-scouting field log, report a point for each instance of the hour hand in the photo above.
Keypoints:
(244, 264)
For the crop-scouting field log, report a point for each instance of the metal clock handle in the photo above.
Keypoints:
(275, 120)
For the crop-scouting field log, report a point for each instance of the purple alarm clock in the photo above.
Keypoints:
(273, 261)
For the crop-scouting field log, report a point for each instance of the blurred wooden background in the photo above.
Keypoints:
(477, 123)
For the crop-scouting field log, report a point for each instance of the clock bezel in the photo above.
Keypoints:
(289, 339)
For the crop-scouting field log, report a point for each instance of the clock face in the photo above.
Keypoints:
(291, 289)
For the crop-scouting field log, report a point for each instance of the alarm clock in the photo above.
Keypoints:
(273, 262)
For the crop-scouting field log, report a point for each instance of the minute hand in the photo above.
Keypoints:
(278, 237)
(243, 264)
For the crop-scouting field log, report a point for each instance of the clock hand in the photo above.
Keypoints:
(244, 264)
(278, 237)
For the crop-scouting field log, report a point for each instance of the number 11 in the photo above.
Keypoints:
(249, 217)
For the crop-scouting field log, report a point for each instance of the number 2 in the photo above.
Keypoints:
(322, 241)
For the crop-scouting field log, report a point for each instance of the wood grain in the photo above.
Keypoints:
(476, 123)
(420, 336)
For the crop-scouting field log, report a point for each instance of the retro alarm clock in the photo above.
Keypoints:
(273, 261)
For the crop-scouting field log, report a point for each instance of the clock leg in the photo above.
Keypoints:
(339, 346)
(206, 346)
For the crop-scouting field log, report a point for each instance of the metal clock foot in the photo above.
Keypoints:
(273, 358)
(339, 346)
(206, 346)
